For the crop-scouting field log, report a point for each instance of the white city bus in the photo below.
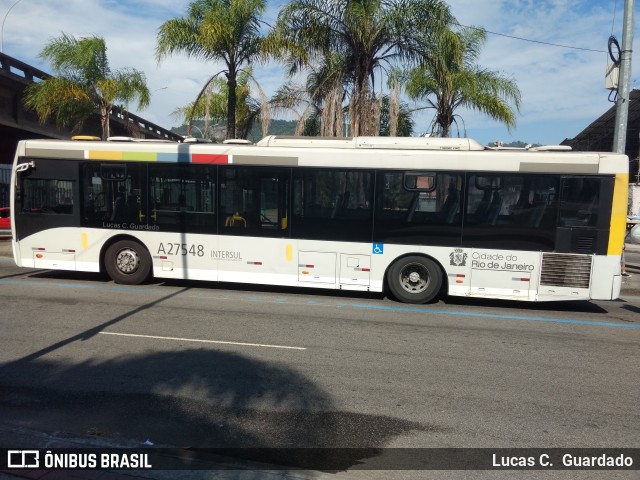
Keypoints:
(417, 217)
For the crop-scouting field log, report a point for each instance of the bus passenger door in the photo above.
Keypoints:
(46, 198)
(254, 226)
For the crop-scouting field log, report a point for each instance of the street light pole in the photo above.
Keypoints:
(2, 27)
(622, 109)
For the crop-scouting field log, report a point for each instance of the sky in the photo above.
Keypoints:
(563, 89)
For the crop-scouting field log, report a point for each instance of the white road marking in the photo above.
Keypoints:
(202, 341)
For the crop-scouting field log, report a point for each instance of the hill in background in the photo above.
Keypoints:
(276, 127)
(279, 127)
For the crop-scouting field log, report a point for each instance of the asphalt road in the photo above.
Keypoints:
(188, 363)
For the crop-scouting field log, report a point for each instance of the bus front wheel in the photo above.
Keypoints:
(414, 279)
(127, 262)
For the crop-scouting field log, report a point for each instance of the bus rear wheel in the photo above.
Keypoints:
(414, 279)
(127, 262)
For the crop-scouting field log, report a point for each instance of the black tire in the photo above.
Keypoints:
(127, 262)
(414, 279)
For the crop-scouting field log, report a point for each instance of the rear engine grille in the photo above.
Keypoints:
(563, 270)
(584, 244)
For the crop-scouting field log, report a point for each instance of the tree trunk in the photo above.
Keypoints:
(207, 99)
(104, 121)
(394, 109)
(231, 104)
(331, 120)
(362, 106)
(445, 119)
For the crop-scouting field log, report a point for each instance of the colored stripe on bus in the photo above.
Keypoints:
(173, 157)
(140, 156)
(209, 158)
(104, 155)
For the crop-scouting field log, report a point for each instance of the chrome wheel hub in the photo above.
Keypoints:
(414, 278)
(127, 261)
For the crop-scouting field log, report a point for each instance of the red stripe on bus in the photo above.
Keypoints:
(209, 158)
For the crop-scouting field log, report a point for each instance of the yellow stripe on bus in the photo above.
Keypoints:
(104, 155)
(618, 225)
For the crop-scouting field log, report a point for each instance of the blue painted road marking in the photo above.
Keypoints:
(495, 315)
(389, 308)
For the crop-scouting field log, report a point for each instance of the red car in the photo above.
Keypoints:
(5, 218)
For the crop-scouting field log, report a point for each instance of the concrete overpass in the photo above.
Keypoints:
(17, 122)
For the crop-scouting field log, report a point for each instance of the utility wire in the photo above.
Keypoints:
(534, 41)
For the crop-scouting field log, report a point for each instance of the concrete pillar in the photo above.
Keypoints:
(634, 200)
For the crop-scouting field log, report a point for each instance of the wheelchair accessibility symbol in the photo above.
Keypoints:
(378, 248)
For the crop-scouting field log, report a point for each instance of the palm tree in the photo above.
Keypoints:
(213, 106)
(398, 123)
(218, 30)
(369, 34)
(452, 77)
(316, 119)
(318, 103)
(83, 84)
(295, 99)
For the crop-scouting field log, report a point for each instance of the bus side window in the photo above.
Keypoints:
(112, 194)
(182, 197)
(485, 199)
(48, 196)
(579, 202)
(254, 201)
(332, 204)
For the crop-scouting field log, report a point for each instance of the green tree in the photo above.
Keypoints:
(318, 103)
(83, 84)
(367, 34)
(449, 78)
(212, 106)
(404, 122)
(217, 30)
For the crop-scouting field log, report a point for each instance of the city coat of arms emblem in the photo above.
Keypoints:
(458, 258)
